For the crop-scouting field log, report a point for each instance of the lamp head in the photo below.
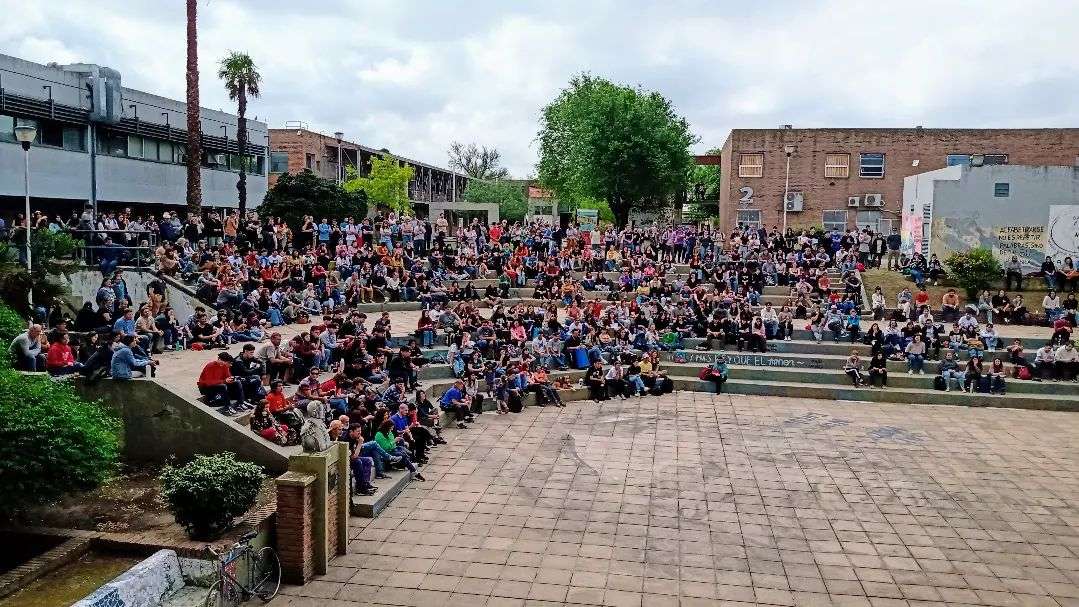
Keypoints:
(789, 149)
(25, 134)
(339, 135)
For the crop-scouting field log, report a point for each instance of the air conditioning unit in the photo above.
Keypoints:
(874, 200)
(794, 202)
(853, 201)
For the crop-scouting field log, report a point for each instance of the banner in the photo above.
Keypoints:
(1062, 233)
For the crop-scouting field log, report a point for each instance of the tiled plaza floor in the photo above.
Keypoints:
(695, 499)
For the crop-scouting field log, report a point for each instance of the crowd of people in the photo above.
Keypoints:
(512, 302)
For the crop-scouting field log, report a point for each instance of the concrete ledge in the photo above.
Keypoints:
(369, 506)
(146, 584)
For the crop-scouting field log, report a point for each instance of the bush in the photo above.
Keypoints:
(207, 493)
(304, 193)
(52, 441)
(973, 270)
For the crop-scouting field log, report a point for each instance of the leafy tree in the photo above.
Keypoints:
(52, 441)
(508, 195)
(704, 183)
(206, 494)
(305, 193)
(46, 249)
(386, 185)
(477, 162)
(973, 270)
(241, 79)
(619, 144)
(194, 127)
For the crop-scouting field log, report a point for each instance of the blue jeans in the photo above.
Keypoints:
(375, 451)
(915, 362)
(956, 375)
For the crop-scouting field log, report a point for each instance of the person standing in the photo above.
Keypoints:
(895, 241)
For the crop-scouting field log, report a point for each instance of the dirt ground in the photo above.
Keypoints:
(129, 502)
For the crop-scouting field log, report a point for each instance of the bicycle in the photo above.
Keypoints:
(262, 567)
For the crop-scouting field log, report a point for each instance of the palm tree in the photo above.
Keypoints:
(241, 79)
(194, 129)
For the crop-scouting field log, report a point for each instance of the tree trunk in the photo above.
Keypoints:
(241, 141)
(620, 210)
(194, 128)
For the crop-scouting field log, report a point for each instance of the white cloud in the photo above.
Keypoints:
(414, 76)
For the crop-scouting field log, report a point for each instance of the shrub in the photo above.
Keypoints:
(52, 441)
(973, 270)
(207, 493)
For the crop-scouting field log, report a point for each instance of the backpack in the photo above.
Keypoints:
(705, 373)
(939, 384)
(314, 437)
(1024, 373)
(513, 402)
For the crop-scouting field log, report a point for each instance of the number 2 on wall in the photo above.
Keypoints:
(747, 194)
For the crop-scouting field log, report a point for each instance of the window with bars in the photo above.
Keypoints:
(278, 162)
(834, 220)
(837, 166)
(871, 165)
(958, 159)
(751, 165)
(749, 218)
(1002, 189)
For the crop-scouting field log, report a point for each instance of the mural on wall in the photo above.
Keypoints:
(1062, 233)
(1025, 242)
(912, 233)
(961, 233)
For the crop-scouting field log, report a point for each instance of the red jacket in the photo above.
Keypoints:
(59, 356)
(214, 373)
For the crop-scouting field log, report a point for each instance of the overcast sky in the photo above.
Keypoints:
(412, 77)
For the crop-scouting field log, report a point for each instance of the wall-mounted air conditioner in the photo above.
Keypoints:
(795, 202)
(874, 200)
(853, 201)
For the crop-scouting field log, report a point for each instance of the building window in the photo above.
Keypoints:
(542, 210)
(749, 219)
(834, 220)
(751, 165)
(988, 159)
(278, 162)
(837, 166)
(310, 161)
(868, 219)
(958, 159)
(871, 165)
(1001, 190)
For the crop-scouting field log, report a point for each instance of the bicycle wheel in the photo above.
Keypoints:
(213, 597)
(266, 574)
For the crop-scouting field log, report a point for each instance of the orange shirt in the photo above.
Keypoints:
(276, 402)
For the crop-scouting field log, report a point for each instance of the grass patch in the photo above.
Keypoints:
(891, 283)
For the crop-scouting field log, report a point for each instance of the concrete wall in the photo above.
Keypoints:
(158, 425)
(84, 284)
(966, 213)
(125, 179)
(54, 173)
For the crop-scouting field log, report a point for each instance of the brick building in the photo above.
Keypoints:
(848, 177)
(296, 148)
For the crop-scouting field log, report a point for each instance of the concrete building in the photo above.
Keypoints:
(542, 205)
(101, 142)
(432, 190)
(1028, 211)
(850, 176)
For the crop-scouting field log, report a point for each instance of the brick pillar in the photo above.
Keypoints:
(314, 496)
(295, 527)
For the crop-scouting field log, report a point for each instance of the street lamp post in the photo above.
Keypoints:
(340, 174)
(789, 150)
(26, 134)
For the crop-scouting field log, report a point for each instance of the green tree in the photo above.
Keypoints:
(619, 144)
(241, 80)
(477, 162)
(305, 193)
(703, 189)
(386, 185)
(508, 195)
(973, 270)
(47, 249)
(52, 441)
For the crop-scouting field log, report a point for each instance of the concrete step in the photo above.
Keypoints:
(897, 378)
(827, 346)
(888, 395)
(368, 506)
